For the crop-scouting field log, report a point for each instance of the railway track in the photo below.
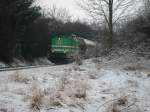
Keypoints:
(21, 67)
(55, 63)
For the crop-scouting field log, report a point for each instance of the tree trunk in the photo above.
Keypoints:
(110, 39)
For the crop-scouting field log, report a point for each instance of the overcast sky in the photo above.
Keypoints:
(70, 5)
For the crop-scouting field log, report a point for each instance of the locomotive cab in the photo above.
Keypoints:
(63, 46)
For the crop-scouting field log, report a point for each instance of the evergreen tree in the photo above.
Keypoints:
(7, 29)
(15, 17)
(25, 14)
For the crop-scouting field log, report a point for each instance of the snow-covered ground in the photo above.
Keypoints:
(121, 84)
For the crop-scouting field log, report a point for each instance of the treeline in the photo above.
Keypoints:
(135, 31)
(25, 33)
(130, 33)
(15, 18)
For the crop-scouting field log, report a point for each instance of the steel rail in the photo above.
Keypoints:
(2, 69)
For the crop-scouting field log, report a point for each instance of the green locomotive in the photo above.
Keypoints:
(64, 46)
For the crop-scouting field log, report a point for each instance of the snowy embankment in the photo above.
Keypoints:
(19, 63)
(120, 84)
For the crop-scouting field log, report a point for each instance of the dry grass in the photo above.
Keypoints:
(67, 92)
(76, 68)
(95, 60)
(3, 110)
(132, 83)
(98, 63)
(76, 88)
(115, 105)
(93, 75)
(120, 102)
(134, 67)
(115, 108)
(148, 75)
(36, 99)
(77, 59)
(130, 68)
(37, 96)
(18, 77)
(81, 87)
(55, 99)
(45, 97)
(7, 108)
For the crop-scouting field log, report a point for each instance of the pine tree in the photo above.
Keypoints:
(15, 17)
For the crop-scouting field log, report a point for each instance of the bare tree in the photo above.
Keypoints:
(59, 14)
(146, 7)
(107, 11)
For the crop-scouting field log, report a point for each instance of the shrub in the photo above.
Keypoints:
(18, 77)
(36, 99)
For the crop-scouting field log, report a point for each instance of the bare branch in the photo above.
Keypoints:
(110, 11)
